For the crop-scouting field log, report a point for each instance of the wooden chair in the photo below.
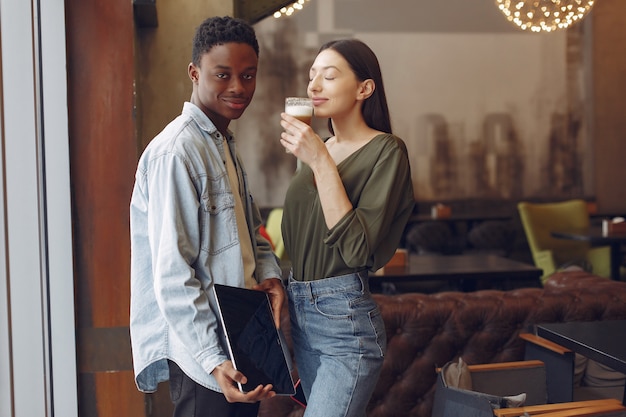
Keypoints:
(560, 366)
(604, 407)
(559, 363)
(493, 382)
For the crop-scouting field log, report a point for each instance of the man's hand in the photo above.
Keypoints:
(227, 376)
(274, 288)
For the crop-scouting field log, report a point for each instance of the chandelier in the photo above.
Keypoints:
(544, 15)
(289, 10)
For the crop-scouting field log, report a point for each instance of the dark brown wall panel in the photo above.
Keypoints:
(103, 155)
(609, 87)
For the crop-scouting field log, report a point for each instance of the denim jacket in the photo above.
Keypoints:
(184, 239)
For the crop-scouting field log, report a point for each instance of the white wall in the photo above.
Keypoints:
(37, 347)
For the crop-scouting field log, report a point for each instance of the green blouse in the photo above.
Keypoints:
(377, 179)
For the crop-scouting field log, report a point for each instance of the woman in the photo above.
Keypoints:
(344, 214)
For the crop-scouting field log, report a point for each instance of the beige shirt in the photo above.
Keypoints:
(247, 252)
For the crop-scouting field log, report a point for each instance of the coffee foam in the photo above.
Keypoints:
(299, 110)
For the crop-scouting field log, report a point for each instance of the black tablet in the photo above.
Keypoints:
(256, 347)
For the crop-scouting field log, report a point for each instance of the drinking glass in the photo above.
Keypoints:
(301, 108)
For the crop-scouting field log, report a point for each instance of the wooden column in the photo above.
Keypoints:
(609, 101)
(103, 155)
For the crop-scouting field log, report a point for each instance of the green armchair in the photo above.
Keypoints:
(549, 253)
(273, 228)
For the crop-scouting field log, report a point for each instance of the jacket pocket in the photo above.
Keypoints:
(219, 226)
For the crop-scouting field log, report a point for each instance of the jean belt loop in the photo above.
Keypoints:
(364, 277)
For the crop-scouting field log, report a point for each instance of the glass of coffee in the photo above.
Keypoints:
(300, 107)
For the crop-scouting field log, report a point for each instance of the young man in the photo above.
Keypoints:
(193, 224)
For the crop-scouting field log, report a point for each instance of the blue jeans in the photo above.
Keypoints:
(339, 341)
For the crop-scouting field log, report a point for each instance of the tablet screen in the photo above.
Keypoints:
(256, 347)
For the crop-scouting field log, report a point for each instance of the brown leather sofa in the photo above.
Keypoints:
(427, 331)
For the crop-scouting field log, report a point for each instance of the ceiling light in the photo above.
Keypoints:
(544, 15)
(289, 10)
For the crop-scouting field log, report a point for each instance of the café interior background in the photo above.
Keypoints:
(486, 110)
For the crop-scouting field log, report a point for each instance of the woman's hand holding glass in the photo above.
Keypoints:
(299, 139)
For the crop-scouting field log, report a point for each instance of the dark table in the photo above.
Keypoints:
(595, 237)
(462, 272)
(602, 341)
